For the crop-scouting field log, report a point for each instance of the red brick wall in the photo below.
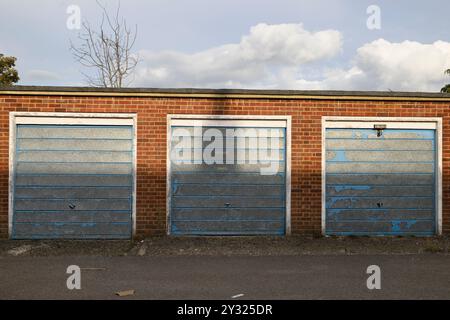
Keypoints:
(151, 144)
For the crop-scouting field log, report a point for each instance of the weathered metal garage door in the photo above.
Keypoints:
(228, 199)
(380, 182)
(73, 181)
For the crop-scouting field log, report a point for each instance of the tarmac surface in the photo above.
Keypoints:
(344, 276)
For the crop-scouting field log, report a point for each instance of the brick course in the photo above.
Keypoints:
(151, 143)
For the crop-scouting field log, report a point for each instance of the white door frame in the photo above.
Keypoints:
(393, 123)
(68, 118)
(235, 120)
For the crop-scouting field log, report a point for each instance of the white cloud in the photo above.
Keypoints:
(383, 65)
(407, 65)
(282, 57)
(259, 60)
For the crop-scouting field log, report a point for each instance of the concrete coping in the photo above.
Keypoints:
(224, 93)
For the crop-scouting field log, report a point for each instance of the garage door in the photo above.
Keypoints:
(234, 197)
(73, 181)
(380, 182)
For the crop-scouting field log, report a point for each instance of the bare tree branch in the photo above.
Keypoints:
(107, 51)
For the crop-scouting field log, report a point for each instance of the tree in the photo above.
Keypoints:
(446, 88)
(8, 72)
(107, 50)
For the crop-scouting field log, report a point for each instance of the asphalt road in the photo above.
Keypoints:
(425, 276)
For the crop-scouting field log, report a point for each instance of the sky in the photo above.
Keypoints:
(248, 44)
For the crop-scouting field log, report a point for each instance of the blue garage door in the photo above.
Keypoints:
(229, 199)
(380, 183)
(73, 182)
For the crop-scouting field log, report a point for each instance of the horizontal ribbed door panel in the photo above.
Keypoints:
(73, 181)
(380, 184)
(228, 199)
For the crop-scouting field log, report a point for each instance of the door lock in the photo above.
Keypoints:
(379, 128)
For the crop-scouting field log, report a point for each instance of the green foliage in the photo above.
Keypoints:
(446, 88)
(8, 74)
